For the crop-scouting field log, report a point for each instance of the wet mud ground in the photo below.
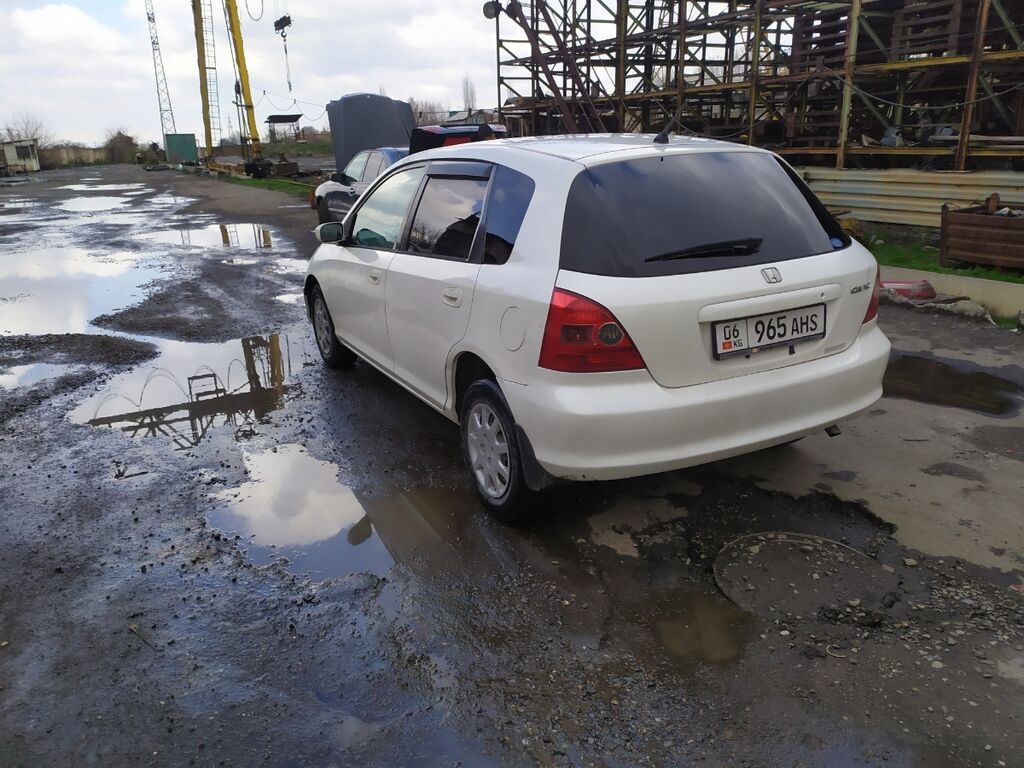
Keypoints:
(217, 552)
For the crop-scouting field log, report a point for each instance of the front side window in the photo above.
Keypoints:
(354, 169)
(447, 217)
(378, 221)
(510, 197)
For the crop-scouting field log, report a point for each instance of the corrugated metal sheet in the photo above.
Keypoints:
(905, 196)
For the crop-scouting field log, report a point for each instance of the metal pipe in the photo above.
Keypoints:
(853, 28)
(972, 86)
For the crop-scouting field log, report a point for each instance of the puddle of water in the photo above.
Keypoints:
(290, 266)
(698, 626)
(61, 289)
(193, 388)
(26, 375)
(97, 203)
(18, 204)
(294, 505)
(101, 187)
(951, 384)
(251, 236)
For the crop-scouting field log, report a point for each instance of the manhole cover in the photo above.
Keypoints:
(769, 574)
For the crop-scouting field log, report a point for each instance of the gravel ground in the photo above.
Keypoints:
(218, 552)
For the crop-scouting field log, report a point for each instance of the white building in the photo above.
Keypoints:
(20, 156)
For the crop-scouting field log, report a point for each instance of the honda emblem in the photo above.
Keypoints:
(771, 275)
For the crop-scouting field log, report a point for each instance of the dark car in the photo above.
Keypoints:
(333, 198)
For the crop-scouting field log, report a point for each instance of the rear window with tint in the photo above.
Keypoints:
(619, 215)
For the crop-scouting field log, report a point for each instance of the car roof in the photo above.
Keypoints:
(588, 149)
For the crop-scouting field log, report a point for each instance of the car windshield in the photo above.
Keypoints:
(675, 214)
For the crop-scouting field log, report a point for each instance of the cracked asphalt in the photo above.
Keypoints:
(216, 551)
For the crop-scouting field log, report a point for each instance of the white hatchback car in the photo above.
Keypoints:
(600, 307)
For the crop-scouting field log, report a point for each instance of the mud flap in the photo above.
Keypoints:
(536, 477)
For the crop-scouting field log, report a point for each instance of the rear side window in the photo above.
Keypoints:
(511, 193)
(678, 214)
(378, 221)
(447, 217)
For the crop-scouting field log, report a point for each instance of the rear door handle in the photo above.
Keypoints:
(374, 276)
(452, 296)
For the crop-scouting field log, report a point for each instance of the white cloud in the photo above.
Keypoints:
(85, 66)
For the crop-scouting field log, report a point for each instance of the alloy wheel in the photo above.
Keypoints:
(488, 451)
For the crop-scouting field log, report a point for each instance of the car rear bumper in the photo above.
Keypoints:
(610, 426)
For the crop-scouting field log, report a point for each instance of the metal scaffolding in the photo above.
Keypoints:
(860, 83)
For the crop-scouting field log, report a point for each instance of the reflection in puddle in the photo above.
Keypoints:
(703, 626)
(290, 266)
(294, 505)
(951, 384)
(101, 187)
(26, 375)
(252, 236)
(61, 289)
(97, 203)
(194, 388)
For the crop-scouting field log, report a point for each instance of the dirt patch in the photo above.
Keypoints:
(221, 303)
(73, 348)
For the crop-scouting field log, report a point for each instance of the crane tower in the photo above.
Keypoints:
(163, 95)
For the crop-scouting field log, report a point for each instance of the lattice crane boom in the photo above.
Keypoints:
(162, 93)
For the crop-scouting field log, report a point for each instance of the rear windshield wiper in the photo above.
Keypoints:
(743, 247)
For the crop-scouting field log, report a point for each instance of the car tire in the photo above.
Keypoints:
(323, 213)
(334, 353)
(491, 452)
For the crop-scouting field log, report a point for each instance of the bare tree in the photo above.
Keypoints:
(121, 147)
(27, 126)
(428, 112)
(381, 91)
(468, 94)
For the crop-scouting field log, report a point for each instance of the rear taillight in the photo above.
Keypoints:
(581, 336)
(872, 312)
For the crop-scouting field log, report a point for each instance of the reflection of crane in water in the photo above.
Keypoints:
(209, 396)
(261, 237)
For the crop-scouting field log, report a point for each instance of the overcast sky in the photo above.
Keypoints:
(85, 66)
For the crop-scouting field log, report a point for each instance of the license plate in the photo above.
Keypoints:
(749, 335)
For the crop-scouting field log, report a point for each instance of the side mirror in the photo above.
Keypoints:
(336, 177)
(330, 232)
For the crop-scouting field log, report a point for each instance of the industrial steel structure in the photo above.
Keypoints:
(854, 83)
(206, 57)
(163, 95)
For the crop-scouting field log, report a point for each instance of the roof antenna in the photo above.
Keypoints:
(662, 138)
